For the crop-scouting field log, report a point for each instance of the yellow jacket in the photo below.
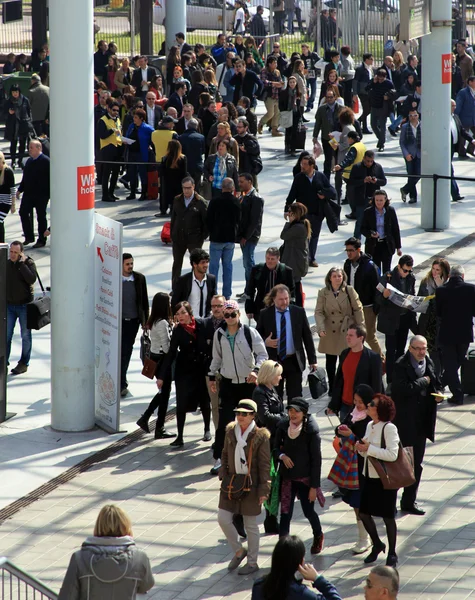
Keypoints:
(360, 150)
(114, 138)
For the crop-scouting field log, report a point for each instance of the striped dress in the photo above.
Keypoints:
(7, 196)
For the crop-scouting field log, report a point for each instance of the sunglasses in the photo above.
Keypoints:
(407, 270)
(240, 413)
(231, 315)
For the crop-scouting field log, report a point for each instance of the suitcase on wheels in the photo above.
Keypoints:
(468, 372)
(152, 185)
(300, 136)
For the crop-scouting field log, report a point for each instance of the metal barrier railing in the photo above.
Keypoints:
(15, 584)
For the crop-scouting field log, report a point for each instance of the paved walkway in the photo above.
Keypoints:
(170, 496)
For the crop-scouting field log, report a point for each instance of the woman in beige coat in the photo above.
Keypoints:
(338, 307)
(241, 436)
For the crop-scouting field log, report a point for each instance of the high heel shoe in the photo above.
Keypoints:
(373, 555)
(177, 443)
(391, 560)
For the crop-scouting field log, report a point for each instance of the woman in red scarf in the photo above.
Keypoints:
(191, 351)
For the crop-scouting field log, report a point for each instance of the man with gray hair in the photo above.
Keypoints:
(455, 305)
(382, 583)
(223, 218)
(193, 146)
(414, 388)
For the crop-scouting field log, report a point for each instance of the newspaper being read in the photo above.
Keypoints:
(418, 304)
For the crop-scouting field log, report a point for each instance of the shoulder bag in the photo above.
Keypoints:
(397, 474)
(38, 312)
(237, 485)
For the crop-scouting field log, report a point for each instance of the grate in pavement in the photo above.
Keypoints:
(12, 509)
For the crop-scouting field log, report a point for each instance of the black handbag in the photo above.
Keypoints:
(317, 382)
(145, 346)
(237, 485)
(38, 312)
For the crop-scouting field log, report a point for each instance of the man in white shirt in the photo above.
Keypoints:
(196, 287)
(154, 112)
(239, 18)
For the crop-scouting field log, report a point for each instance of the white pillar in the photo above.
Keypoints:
(436, 117)
(175, 20)
(72, 230)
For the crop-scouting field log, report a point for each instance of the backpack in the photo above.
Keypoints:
(389, 48)
(247, 335)
(166, 234)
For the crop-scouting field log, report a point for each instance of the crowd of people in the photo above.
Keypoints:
(194, 128)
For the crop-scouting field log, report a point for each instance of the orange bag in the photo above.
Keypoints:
(356, 106)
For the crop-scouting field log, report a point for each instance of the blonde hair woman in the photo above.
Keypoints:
(7, 194)
(108, 563)
(338, 307)
(224, 133)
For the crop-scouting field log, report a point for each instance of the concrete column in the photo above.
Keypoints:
(72, 238)
(175, 20)
(39, 23)
(436, 117)
(146, 27)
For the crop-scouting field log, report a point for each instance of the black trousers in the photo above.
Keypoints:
(292, 376)
(161, 398)
(364, 99)
(28, 204)
(396, 344)
(316, 224)
(381, 257)
(110, 172)
(21, 141)
(329, 154)
(229, 395)
(130, 328)
(179, 249)
(453, 356)
(409, 494)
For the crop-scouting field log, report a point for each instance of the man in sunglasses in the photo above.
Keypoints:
(415, 382)
(238, 352)
(109, 132)
(212, 324)
(393, 320)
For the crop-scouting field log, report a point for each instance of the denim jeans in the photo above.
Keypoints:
(290, 21)
(224, 252)
(312, 86)
(248, 258)
(14, 312)
(413, 167)
(395, 121)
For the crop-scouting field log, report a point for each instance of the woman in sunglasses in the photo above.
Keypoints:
(393, 320)
(375, 500)
(246, 451)
(190, 349)
(270, 410)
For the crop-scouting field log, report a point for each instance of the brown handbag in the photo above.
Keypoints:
(399, 473)
(237, 485)
(149, 367)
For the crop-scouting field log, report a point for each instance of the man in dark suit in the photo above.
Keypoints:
(142, 77)
(135, 311)
(193, 146)
(100, 61)
(182, 45)
(411, 150)
(458, 135)
(312, 189)
(188, 226)
(154, 112)
(182, 124)
(414, 382)
(264, 277)
(286, 332)
(252, 209)
(411, 68)
(176, 98)
(363, 75)
(365, 178)
(196, 287)
(358, 364)
(246, 83)
(455, 304)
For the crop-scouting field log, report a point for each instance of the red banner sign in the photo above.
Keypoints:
(86, 188)
(446, 68)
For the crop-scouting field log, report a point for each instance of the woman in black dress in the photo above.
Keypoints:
(375, 500)
(7, 194)
(174, 168)
(189, 348)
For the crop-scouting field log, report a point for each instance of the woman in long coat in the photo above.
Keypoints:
(296, 235)
(338, 307)
(191, 367)
(18, 123)
(241, 436)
